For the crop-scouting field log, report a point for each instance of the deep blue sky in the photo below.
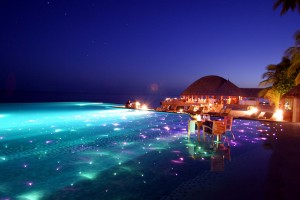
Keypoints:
(128, 46)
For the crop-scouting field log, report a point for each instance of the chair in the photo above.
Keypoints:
(268, 115)
(228, 124)
(190, 110)
(207, 128)
(226, 112)
(256, 114)
(218, 129)
(199, 111)
(172, 108)
(192, 127)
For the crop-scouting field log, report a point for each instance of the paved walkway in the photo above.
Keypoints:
(284, 166)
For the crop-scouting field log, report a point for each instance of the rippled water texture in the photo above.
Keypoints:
(84, 150)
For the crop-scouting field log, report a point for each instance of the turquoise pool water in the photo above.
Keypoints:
(82, 150)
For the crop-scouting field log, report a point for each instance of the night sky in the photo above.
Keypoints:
(138, 46)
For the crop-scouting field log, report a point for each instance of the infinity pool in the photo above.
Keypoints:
(82, 150)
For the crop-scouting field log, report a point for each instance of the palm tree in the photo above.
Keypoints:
(272, 95)
(293, 53)
(277, 80)
(295, 67)
(286, 5)
(276, 74)
(269, 76)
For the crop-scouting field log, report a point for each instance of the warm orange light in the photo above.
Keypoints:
(137, 105)
(252, 110)
(278, 115)
(144, 107)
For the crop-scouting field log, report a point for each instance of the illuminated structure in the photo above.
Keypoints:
(291, 104)
(213, 93)
(212, 87)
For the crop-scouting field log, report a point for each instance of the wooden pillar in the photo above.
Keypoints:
(296, 109)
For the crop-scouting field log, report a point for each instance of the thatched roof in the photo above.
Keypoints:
(294, 92)
(213, 85)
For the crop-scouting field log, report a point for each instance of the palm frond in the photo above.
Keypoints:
(263, 92)
(286, 5)
(266, 82)
(291, 51)
(268, 75)
(297, 34)
(293, 68)
(271, 67)
(296, 57)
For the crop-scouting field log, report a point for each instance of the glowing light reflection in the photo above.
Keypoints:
(90, 175)
(97, 140)
(36, 195)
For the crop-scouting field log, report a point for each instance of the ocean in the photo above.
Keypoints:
(153, 101)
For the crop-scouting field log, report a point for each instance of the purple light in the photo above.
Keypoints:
(177, 161)
(143, 136)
